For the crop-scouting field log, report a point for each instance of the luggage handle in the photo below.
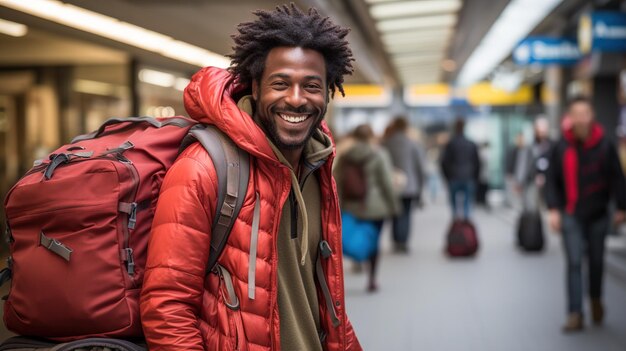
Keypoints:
(59, 159)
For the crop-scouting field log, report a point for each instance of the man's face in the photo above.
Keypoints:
(581, 117)
(291, 96)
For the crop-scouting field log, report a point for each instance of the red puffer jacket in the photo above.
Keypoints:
(184, 309)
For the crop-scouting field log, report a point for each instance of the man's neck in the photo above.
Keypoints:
(582, 135)
(293, 156)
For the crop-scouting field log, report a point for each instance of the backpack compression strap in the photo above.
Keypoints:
(232, 166)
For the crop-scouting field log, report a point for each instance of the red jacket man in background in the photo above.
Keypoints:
(584, 174)
(283, 256)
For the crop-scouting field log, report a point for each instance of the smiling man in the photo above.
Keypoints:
(283, 256)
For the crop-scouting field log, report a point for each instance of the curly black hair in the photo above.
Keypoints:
(289, 26)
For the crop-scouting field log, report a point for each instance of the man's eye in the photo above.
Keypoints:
(279, 84)
(313, 86)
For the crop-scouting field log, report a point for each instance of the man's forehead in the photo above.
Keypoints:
(295, 61)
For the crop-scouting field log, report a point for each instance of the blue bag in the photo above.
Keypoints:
(360, 239)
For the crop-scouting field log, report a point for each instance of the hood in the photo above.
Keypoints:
(359, 152)
(596, 135)
(211, 98)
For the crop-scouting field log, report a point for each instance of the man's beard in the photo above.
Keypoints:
(270, 128)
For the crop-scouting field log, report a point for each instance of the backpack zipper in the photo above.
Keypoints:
(131, 220)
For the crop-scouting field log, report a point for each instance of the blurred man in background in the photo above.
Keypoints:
(584, 174)
(460, 165)
(406, 156)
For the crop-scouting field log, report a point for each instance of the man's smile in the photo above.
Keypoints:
(293, 118)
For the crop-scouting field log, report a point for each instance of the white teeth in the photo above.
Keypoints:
(293, 119)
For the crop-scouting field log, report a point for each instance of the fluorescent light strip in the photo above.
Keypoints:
(13, 29)
(421, 48)
(181, 84)
(416, 22)
(416, 34)
(412, 8)
(158, 78)
(517, 20)
(418, 38)
(123, 32)
(413, 57)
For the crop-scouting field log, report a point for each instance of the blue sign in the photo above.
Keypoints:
(603, 31)
(546, 51)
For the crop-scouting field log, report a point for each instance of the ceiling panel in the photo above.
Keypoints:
(416, 35)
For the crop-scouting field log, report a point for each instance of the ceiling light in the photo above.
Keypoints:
(13, 29)
(417, 34)
(412, 8)
(415, 56)
(416, 22)
(416, 48)
(181, 84)
(159, 78)
(517, 20)
(417, 38)
(423, 33)
(114, 29)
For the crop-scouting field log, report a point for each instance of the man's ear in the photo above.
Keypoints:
(255, 89)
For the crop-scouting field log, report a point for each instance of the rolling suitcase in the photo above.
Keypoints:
(530, 231)
(462, 239)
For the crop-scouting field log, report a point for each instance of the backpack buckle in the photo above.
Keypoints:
(325, 249)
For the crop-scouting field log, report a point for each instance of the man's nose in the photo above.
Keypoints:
(295, 97)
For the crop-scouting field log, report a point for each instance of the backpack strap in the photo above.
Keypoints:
(232, 166)
(26, 343)
(99, 344)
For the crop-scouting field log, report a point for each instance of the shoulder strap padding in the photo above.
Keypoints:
(232, 166)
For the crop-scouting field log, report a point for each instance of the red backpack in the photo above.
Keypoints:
(78, 225)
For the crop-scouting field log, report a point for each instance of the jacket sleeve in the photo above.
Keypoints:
(618, 182)
(553, 192)
(171, 298)
(352, 342)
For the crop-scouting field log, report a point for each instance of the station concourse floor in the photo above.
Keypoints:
(501, 300)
